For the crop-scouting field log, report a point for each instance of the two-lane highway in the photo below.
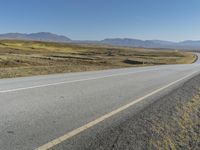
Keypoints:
(43, 111)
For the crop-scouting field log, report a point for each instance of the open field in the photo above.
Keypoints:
(26, 58)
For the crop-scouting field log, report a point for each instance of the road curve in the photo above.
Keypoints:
(43, 111)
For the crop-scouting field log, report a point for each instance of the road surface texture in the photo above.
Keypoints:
(79, 110)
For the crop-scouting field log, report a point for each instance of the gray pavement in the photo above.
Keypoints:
(36, 110)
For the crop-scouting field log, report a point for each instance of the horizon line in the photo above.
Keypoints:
(131, 38)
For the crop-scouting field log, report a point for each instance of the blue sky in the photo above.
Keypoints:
(174, 20)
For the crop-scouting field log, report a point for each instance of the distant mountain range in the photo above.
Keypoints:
(153, 43)
(41, 36)
(46, 36)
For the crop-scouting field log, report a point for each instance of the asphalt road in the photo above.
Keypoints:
(46, 111)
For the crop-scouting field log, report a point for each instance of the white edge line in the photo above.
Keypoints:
(104, 117)
(73, 81)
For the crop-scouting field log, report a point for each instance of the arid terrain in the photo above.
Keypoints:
(26, 58)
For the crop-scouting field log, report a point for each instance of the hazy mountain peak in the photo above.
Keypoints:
(40, 36)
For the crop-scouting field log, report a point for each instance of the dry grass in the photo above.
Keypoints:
(182, 131)
(25, 58)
